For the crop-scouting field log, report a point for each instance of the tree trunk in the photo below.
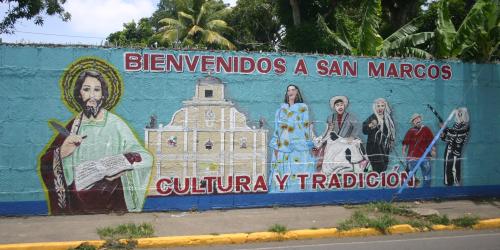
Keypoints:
(331, 10)
(400, 12)
(295, 12)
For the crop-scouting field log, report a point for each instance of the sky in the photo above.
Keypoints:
(91, 22)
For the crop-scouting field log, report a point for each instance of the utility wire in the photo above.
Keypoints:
(49, 34)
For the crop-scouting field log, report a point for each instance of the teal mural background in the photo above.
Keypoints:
(30, 95)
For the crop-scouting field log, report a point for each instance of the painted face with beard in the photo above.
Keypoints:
(91, 93)
(417, 122)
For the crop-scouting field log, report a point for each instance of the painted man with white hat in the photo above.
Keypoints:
(339, 146)
(416, 141)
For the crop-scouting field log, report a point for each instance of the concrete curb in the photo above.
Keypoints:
(50, 245)
(240, 238)
(487, 224)
(402, 229)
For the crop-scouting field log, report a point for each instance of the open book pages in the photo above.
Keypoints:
(89, 172)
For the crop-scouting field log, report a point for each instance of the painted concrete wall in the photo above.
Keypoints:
(31, 96)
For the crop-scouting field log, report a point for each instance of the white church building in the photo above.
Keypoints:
(208, 136)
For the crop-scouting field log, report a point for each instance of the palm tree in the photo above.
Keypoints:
(405, 42)
(198, 25)
(477, 38)
(402, 42)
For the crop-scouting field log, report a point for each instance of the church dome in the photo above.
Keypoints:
(209, 80)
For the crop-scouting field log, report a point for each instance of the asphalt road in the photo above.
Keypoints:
(455, 240)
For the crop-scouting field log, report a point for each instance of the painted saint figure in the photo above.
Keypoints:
(416, 141)
(291, 143)
(455, 138)
(381, 132)
(98, 141)
(339, 148)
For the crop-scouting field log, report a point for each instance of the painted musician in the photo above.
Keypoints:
(455, 138)
(95, 164)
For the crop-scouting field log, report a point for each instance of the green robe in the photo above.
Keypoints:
(112, 136)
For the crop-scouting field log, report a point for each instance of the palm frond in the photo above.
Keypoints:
(412, 40)
(212, 37)
(406, 45)
(476, 20)
(342, 30)
(184, 16)
(332, 35)
(201, 14)
(370, 39)
(219, 26)
(495, 52)
(195, 22)
(170, 23)
(416, 52)
(169, 35)
(195, 29)
(220, 14)
(407, 29)
(445, 31)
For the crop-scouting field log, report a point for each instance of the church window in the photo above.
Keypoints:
(209, 118)
(209, 145)
(243, 142)
(172, 141)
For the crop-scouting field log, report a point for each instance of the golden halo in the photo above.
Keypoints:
(110, 74)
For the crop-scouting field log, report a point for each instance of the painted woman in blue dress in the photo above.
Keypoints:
(291, 144)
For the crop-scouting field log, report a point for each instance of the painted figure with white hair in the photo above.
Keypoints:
(455, 138)
(381, 132)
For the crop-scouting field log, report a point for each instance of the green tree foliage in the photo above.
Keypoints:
(403, 42)
(134, 34)
(400, 28)
(30, 9)
(255, 24)
(460, 8)
(396, 13)
(299, 21)
(144, 33)
(166, 8)
(369, 40)
(200, 25)
(477, 37)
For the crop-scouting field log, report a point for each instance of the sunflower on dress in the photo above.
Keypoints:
(291, 140)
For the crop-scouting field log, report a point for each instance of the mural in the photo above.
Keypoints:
(95, 164)
(455, 138)
(340, 148)
(208, 148)
(415, 143)
(292, 161)
(132, 131)
(381, 132)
